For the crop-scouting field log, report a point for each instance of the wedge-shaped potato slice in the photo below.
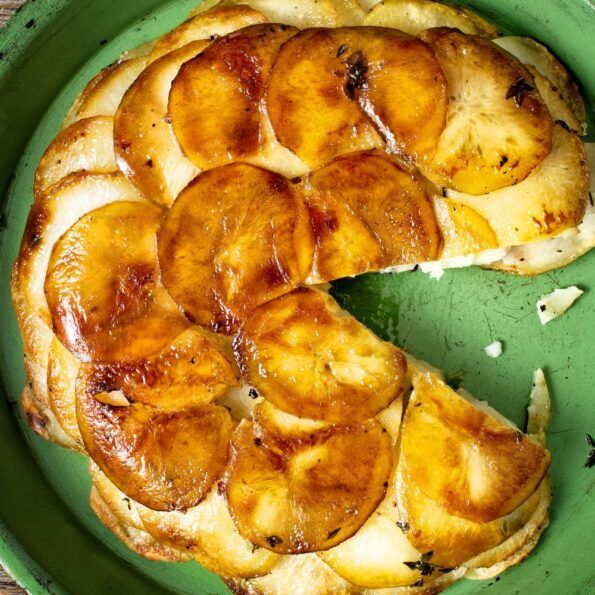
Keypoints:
(147, 150)
(84, 146)
(368, 213)
(532, 53)
(207, 25)
(236, 237)
(103, 288)
(150, 424)
(413, 16)
(551, 199)
(338, 371)
(498, 126)
(325, 81)
(295, 486)
(471, 464)
(215, 98)
(103, 94)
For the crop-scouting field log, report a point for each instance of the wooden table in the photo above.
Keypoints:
(7, 585)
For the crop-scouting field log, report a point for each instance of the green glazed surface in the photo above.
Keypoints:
(49, 538)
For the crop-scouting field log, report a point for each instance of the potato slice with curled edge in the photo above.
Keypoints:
(103, 288)
(413, 16)
(472, 465)
(236, 237)
(215, 99)
(368, 213)
(83, 146)
(207, 25)
(338, 370)
(295, 486)
(330, 90)
(498, 126)
(146, 148)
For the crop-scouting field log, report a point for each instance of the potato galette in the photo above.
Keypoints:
(170, 288)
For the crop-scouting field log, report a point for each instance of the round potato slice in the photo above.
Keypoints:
(481, 469)
(86, 145)
(498, 126)
(295, 486)
(150, 424)
(339, 371)
(215, 99)
(146, 148)
(236, 237)
(103, 288)
(334, 91)
(414, 16)
(368, 213)
(207, 25)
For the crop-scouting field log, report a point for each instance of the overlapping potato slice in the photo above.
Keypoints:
(84, 146)
(215, 99)
(146, 148)
(296, 486)
(102, 96)
(551, 199)
(338, 370)
(498, 127)
(368, 213)
(151, 426)
(103, 288)
(236, 237)
(414, 16)
(207, 25)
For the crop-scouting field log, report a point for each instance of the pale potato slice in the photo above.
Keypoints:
(295, 487)
(550, 200)
(84, 146)
(207, 26)
(338, 371)
(325, 81)
(463, 230)
(103, 288)
(146, 148)
(368, 213)
(215, 99)
(236, 237)
(533, 53)
(493, 469)
(498, 126)
(414, 16)
(104, 94)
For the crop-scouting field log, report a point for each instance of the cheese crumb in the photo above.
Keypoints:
(554, 304)
(494, 349)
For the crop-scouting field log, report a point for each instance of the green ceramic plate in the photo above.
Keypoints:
(50, 539)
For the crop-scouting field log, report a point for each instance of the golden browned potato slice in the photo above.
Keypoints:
(498, 126)
(164, 445)
(207, 26)
(103, 94)
(338, 370)
(84, 146)
(215, 98)
(295, 486)
(368, 213)
(147, 150)
(236, 237)
(463, 230)
(413, 16)
(103, 288)
(481, 468)
(325, 81)
(532, 53)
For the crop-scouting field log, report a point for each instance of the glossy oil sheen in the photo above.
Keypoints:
(49, 537)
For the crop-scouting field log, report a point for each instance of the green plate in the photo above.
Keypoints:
(49, 538)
